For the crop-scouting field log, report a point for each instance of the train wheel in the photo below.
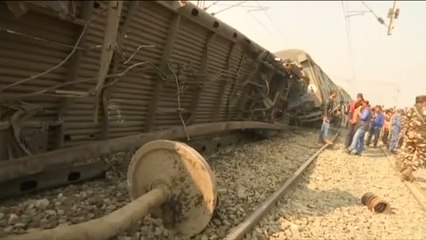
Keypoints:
(187, 175)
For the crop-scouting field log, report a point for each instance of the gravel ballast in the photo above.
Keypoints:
(246, 175)
(325, 204)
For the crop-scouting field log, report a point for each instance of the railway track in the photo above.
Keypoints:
(417, 189)
(194, 78)
(326, 203)
(251, 178)
(246, 175)
(248, 224)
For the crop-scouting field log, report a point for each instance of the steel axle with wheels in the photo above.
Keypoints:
(165, 178)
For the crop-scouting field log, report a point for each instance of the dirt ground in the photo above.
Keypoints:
(326, 203)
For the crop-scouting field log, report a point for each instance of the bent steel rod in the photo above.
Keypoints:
(239, 231)
(70, 156)
(104, 227)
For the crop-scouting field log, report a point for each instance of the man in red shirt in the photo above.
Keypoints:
(352, 124)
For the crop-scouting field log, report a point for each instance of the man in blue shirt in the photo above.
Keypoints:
(357, 145)
(396, 125)
(376, 126)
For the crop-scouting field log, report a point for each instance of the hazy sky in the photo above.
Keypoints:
(380, 65)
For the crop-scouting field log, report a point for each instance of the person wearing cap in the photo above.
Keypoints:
(414, 147)
(354, 110)
(327, 115)
(396, 125)
(357, 145)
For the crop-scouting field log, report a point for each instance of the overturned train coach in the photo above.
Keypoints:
(307, 108)
(81, 79)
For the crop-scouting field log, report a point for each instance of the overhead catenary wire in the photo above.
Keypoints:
(251, 15)
(211, 5)
(232, 6)
(374, 14)
(260, 23)
(349, 41)
(264, 10)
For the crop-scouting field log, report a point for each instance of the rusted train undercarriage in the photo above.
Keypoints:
(83, 79)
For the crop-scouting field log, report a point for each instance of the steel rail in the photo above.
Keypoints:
(418, 194)
(62, 158)
(244, 227)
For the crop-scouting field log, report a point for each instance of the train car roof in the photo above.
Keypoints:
(296, 54)
(292, 54)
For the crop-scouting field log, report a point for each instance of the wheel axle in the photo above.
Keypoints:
(165, 178)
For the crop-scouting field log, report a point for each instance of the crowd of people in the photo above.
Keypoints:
(402, 130)
(368, 123)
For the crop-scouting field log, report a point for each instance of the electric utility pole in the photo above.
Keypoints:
(393, 15)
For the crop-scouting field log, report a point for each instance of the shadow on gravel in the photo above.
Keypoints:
(372, 155)
(302, 205)
(305, 201)
(420, 179)
(308, 202)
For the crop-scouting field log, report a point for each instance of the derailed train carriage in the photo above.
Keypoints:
(79, 79)
(308, 107)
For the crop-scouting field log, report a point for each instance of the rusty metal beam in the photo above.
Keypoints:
(75, 155)
(244, 101)
(223, 87)
(110, 40)
(174, 27)
(236, 79)
(50, 179)
(202, 78)
(132, 10)
(105, 119)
